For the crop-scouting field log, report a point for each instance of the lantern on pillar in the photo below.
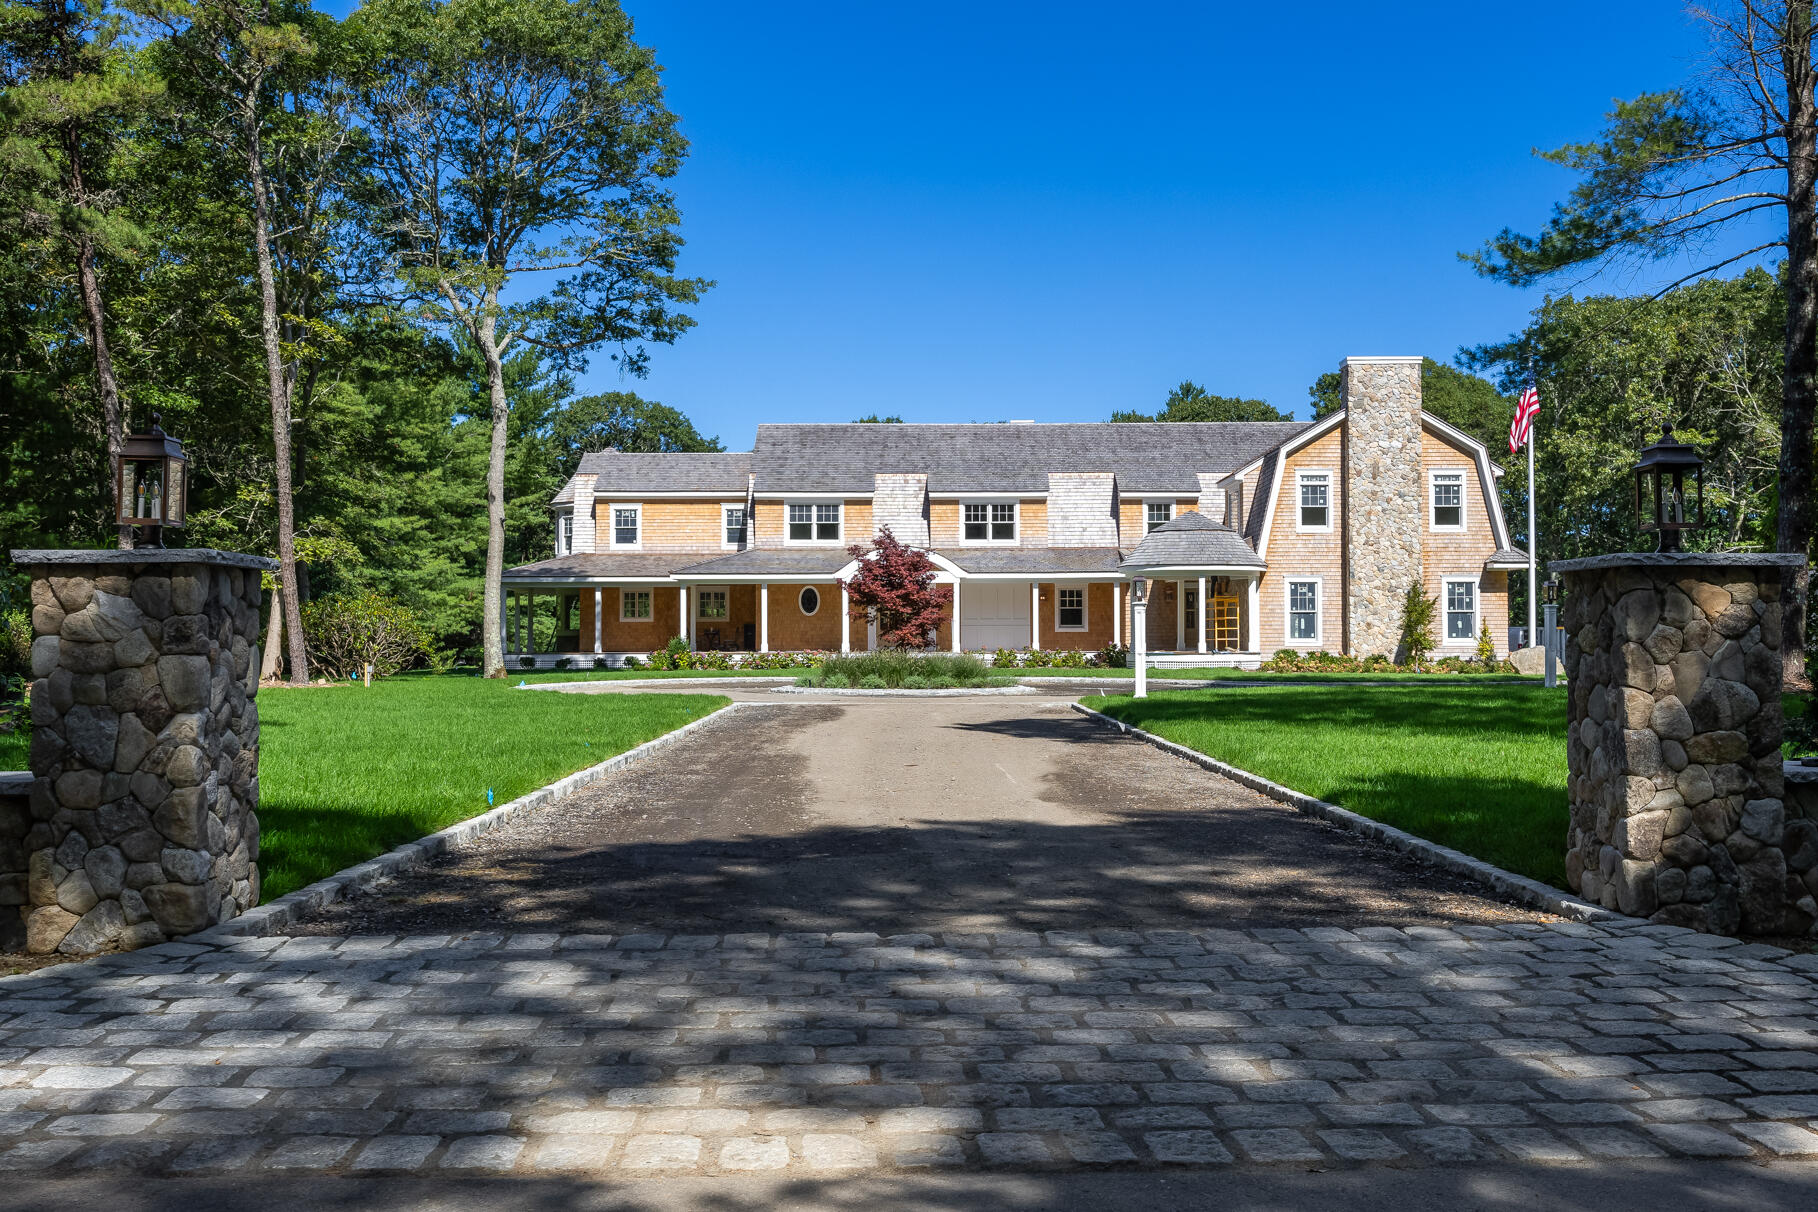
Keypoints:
(151, 476)
(1139, 591)
(1661, 501)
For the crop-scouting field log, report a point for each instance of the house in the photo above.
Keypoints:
(1254, 536)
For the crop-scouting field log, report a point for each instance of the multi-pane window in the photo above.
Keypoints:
(1155, 513)
(625, 526)
(1315, 500)
(1303, 610)
(1448, 500)
(814, 523)
(564, 533)
(735, 525)
(634, 604)
(1070, 610)
(1461, 610)
(991, 523)
(712, 603)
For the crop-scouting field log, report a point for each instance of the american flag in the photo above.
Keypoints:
(1522, 427)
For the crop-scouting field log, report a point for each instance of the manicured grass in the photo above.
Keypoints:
(1226, 674)
(1479, 768)
(15, 749)
(514, 676)
(346, 773)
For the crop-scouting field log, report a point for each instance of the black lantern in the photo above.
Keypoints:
(1139, 591)
(151, 477)
(1660, 489)
(1551, 590)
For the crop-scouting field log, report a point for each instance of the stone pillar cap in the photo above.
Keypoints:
(1680, 559)
(143, 555)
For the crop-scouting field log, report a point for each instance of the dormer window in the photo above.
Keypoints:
(814, 522)
(989, 521)
(1156, 514)
(732, 521)
(1315, 488)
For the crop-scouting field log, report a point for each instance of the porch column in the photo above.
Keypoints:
(1035, 614)
(956, 616)
(530, 623)
(688, 591)
(681, 606)
(764, 617)
(845, 619)
(599, 604)
(507, 641)
(1200, 617)
(1180, 615)
(1253, 623)
(1117, 613)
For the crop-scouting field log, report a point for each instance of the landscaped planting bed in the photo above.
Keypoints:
(1480, 768)
(895, 669)
(348, 772)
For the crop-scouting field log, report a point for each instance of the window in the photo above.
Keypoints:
(1461, 611)
(992, 522)
(1156, 513)
(810, 600)
(1303, 611)
(1448, 500)
(625, 525)
(733, 518)
(634, 605)
(1315, 500)
(565, 533)
(711, 603)
(814, 523)
(1070, 610)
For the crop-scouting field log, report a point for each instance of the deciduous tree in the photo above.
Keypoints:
(895, 586)
(1191, 402)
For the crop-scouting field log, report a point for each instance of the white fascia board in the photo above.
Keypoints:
(1031, 495)
(814, 496)
(754, 578)
(585, 582)
(1485, 476)
(632, 495)
(1041, 576)
(1167, 572)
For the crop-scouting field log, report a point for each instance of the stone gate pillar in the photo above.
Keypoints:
(142, 815)
(1678, 796)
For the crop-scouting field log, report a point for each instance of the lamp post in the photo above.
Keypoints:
(1660, 489)
(1551, 621)
(151, 477)
(1139, 628)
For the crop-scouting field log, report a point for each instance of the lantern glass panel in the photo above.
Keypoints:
(175, 478)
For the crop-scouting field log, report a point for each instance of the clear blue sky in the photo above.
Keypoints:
(982, 211)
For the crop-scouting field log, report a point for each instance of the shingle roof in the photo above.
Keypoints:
(1192, 540)
(1145, 456)
(771, 561)
(618, 471)
(1032, 559)
(1507, 557)
(604, 566)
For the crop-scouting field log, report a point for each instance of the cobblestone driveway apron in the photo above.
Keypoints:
(580, 1051)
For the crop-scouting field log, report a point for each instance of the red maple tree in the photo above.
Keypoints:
(895, 585)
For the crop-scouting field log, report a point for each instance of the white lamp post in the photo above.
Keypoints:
(1139, 626)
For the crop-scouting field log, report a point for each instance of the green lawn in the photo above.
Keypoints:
(1226, 674)
(346, 773)
(1479, 768)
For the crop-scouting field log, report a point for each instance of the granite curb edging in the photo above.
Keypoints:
(270, 917)
(1519, 888)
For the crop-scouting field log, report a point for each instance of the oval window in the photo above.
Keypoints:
(811, 600)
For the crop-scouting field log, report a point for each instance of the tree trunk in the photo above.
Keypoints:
(485, 335)
(280, 397)
(271, 665)
(112, 420)
(1799, 387)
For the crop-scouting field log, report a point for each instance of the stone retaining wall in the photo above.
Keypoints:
(144, 751)
(1676, 783)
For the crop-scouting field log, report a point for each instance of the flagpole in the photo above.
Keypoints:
(1533, 534)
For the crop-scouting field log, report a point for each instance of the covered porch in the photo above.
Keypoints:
(1204, 592)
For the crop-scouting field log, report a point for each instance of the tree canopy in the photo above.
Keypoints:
(1191, 402)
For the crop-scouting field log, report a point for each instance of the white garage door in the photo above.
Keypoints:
(994, 614)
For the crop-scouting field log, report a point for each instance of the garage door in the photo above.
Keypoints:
(994, 615)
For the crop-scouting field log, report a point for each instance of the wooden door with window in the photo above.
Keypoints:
(1224, 625)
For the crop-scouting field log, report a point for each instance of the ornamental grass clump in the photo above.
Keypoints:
(896, 669)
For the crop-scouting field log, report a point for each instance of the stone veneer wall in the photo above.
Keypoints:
(1677, 788)
(145, 746)
(1383, 498)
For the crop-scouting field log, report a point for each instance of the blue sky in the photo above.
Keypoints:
(994, 210)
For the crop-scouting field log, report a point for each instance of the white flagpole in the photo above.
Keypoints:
(1533, 543)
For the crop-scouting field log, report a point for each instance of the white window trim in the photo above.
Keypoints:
(811, 503)
(1463, 474)
(700, 600)
(819, 598)
(1016, 523)
(631, 618)
(612, 529)
(1445, 584)
(1287, 609)
(1085, 607)
(1300, 477)
(564, 522)
(725, 507)
(1173, 509)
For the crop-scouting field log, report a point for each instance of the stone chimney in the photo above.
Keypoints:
(1382, 497)
(899, 500)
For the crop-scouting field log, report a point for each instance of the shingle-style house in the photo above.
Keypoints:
(1255, 536)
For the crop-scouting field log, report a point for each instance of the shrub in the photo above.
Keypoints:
(15, 644)
(630, 662)
(564, 663)
(1005, 658)
(712, 660)
(1114, 656)
(872, 681)
(527, 662)
(832, 681)
(601, 662)
(1070, 659)
(915, 683)
(1486, 648)
(893, 668)
(1379, 663)
(1417, 624)
(346, 633)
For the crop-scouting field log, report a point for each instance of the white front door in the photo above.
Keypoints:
(994, 614)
